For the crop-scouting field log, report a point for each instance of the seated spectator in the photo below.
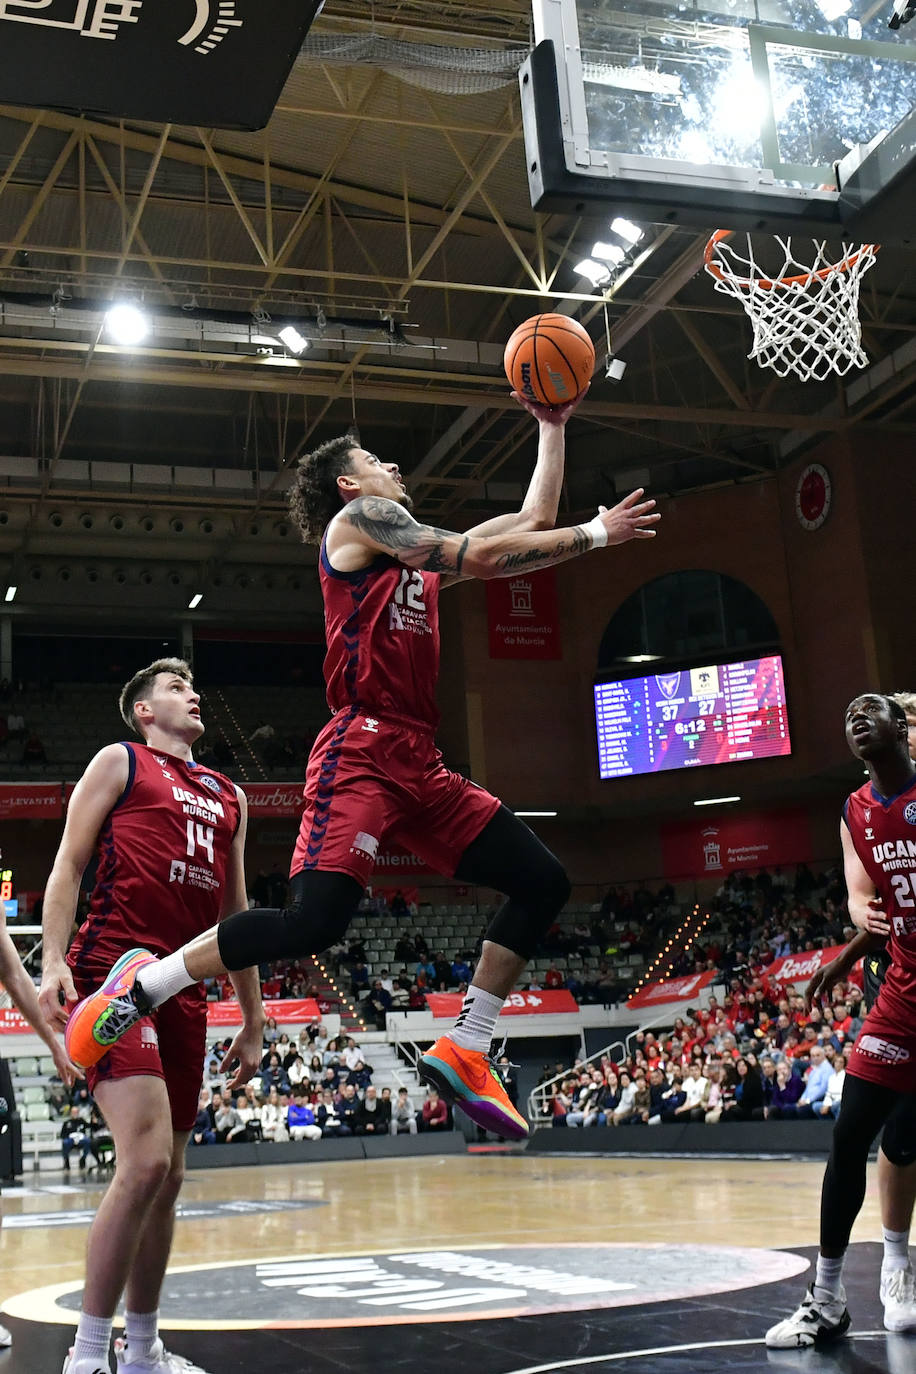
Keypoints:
(347, 1107)
(273, 1074)
(830, 1106)
(415, 1000)
(816, 1080)
(246, 1104)
(300, 1119)
(639, 1114)
(400, 996)
(271, 1031)
(717, 1096)
(359, 978)
(673, 1096)
(202, 1132)
(75, 1135)
(398, 905)
(433, 1113)
(228, 1125)
(315, 1070)
(553, 978)
(404, 948)
(627, 1098)
(658, 1086)
(273, 1118)
(380, 1001)
(331, 1053)
(360, 1076)
(327, 1116)
(785, 1095)
(403, 1114)
(696, 1088)
(461, 969)
(297, 1073)
(15, 724)
(373, 1116)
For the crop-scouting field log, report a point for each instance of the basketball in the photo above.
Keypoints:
(549, 359)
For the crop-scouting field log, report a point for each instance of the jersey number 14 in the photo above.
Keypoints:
(200, 837)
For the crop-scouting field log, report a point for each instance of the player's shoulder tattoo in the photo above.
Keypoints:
(388, 524)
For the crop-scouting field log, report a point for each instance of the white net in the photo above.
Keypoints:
(806, 314)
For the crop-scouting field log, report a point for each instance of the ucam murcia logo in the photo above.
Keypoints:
(909, 813)
(364, 844)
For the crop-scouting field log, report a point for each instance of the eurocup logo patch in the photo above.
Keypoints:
(210, 782)
(668, 683)
(909, 813)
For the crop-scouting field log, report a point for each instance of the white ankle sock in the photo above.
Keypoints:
(162, 980)
(93, 1338)
(896, 1250)
(141, 1330)
(828, 1276)
(476, 1024)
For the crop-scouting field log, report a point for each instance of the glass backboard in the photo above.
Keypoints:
(753, 102)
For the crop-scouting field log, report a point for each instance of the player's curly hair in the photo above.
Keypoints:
(314, 498)
(907, 700)
(142, 682)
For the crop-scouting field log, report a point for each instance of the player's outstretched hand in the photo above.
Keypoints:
(551, 415)
(631, 518)
(824, 981)
(66, 1072)
(246, 1050)
(57, 996)
(872, 918)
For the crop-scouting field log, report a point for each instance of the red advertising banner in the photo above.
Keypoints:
(274, 798)
(523, 616)
(673, 989)
(392, 860)
(13, 1022)
(798, 968)
(301, 1010)
(36, 800)
(540, 1003)
(756, 839)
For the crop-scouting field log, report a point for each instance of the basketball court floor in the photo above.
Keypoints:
(501, 1264)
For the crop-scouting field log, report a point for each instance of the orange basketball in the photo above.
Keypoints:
(549, 359)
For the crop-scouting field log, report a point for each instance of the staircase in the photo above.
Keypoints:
(329, 990)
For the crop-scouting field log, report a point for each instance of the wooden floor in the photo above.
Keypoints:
(548, 1205)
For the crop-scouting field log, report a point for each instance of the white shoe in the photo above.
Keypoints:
(898, 1293)
(70, 1367)
(814, 1320)
(6, 1337)
(159, 1362)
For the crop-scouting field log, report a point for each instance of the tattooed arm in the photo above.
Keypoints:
(373, 524)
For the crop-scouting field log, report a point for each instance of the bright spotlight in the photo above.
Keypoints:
(628, 231)
(609, 252)
(293, 339)
(10, 593)
(596, 272)
(195, 601)
(126, 324)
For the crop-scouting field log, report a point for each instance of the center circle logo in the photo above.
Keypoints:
(391, 1287)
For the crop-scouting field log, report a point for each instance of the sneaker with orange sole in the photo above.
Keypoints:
(100, 1020)
(468, 1079)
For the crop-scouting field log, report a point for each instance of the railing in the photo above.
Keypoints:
(539, 1097)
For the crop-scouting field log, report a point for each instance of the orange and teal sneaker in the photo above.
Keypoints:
(469, 1079)
(100, 1020)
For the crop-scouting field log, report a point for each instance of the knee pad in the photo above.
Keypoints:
(534, 904)
(321, 908)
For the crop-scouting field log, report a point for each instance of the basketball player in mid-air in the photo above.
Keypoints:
(375, 775)
(170, 838)
(897, 1154)
(880, 870)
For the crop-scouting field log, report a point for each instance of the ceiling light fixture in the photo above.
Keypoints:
(627, 230)
(10, 593)
(126, 324)
(195, 601)
(535, 813)
(596, 272)
(293, 339)
(716, 801)
(609, 252)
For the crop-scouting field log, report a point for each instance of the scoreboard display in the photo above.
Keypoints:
(725, 713)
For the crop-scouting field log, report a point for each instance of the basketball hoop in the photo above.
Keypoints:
(805, 318)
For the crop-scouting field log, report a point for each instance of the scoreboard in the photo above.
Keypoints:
(724, 713)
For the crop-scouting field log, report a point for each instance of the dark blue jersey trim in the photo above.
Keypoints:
(131, 772)
(889, 801)
(380, 560)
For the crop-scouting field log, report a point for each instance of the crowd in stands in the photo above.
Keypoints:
(760, 1055)
(309, 1088)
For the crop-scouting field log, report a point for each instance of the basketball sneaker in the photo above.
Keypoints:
(898, 1293)
(6, 1337)
(100, 1020)
(71, 1368)
(469, 1079)
(159, 1361)
(817, 1319)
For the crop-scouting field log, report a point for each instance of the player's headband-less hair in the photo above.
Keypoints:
(143, 681)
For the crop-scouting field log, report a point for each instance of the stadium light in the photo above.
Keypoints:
(716, 801)
(10, 593)
(596, 272)
(627, 230)
(293, 339)
(608, 252)
(535, 813)
(127, 324)
(195, 601)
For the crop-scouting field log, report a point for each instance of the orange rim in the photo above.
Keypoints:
(768, 283)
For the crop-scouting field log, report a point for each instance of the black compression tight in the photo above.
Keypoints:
(509, 857)
(864, 1109)
(321, 907)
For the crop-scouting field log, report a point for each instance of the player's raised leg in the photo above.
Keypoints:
(509, 857)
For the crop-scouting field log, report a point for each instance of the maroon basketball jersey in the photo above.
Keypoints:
(883, 831)
(382, 630)
(162, 855)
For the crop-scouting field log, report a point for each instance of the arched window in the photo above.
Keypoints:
(685, 616)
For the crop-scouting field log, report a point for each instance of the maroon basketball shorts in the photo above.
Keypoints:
(885, 1051)
(372, 782)
(170, 1044)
